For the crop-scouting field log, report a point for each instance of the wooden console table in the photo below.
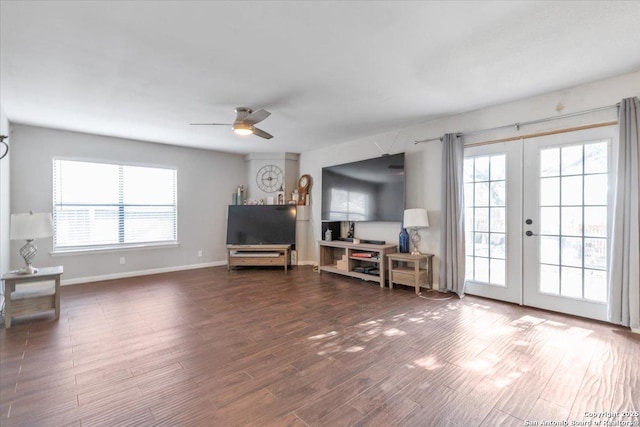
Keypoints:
(420, 274)
(258, 255)
(23, 302)
(346, 258)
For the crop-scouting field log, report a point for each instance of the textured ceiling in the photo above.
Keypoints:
(328, 71)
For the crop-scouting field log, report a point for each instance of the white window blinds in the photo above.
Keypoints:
(109, 205)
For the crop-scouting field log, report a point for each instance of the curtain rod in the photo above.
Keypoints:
(519, 125)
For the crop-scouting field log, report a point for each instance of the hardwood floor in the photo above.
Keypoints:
(271, 348)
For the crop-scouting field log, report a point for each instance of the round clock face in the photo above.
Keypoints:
(269, 178)
(304, 181)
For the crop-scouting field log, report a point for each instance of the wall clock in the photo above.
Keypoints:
(269, 178)
(303, 188)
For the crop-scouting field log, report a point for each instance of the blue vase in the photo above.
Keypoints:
(403, 245)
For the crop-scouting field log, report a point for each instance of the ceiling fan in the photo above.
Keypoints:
(245, 121)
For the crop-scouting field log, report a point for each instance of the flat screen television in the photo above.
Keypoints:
(261, 224)
(367, 190)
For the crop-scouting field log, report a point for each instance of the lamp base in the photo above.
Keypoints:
(29, 269)
(415, 251)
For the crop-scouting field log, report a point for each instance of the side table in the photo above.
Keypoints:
(25, 302)
(400, 270)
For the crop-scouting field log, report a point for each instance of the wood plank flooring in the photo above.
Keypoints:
(263, 347)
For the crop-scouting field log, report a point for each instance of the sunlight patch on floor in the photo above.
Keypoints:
(321, 336)
(507, 380)
(393, 332)
(429, 363)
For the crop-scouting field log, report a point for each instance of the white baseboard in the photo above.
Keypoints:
(140, 273)
(306, 263)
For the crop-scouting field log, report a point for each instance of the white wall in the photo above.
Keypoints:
(288, 162)
(5, 212)
(206, 180)
(422, 166)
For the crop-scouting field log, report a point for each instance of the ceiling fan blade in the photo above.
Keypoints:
(262, 134)
(257, 116)
(210, 124)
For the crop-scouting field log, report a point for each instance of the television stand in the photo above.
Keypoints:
(362, 260)
(258, 255)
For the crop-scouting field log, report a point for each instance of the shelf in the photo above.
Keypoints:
(363, 276)
(376, 260)
(337, 252)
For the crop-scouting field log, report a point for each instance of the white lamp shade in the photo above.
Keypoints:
(416, 218)
(30, 226)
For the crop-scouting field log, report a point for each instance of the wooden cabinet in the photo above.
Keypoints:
(412, 270)
(363, 261)
(258, 255)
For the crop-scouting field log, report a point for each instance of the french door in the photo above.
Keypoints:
(557, 221)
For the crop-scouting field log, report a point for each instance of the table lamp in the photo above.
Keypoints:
(413, 220)
(30, 226)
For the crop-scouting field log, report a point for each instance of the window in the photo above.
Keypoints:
(101, 205)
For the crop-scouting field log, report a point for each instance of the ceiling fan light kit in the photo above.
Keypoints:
(242, 128)
(245, 121)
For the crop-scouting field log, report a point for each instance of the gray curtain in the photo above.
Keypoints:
(452, 260)
(624, 279)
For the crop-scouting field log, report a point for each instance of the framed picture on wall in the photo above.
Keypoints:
(280, 200)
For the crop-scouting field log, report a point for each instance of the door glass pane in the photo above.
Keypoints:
(469, 267)
(550, 221)
(482, 269)
(498, 220)
(468, 170)
(550, 279)
(497, 247)
(481, 169)
(571, 251)
(571, 160)
(468, 194)
(481, 219)
(595, 253)
(571, 282)
(481, 244)
(550, 162)
(498, 195)
(497, 269)
(595, 221)
(595, 158)
(571, 221)
(468, 247)
(595, 285)
(482, 194)
(571, 188)
(550, 191)
(549, 250)
(595, 189)
(498, 168)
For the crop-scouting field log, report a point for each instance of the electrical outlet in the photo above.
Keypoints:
(122, 260)
(200, 253)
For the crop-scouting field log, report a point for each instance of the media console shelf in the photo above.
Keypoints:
(258, 255)
(362, 260)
